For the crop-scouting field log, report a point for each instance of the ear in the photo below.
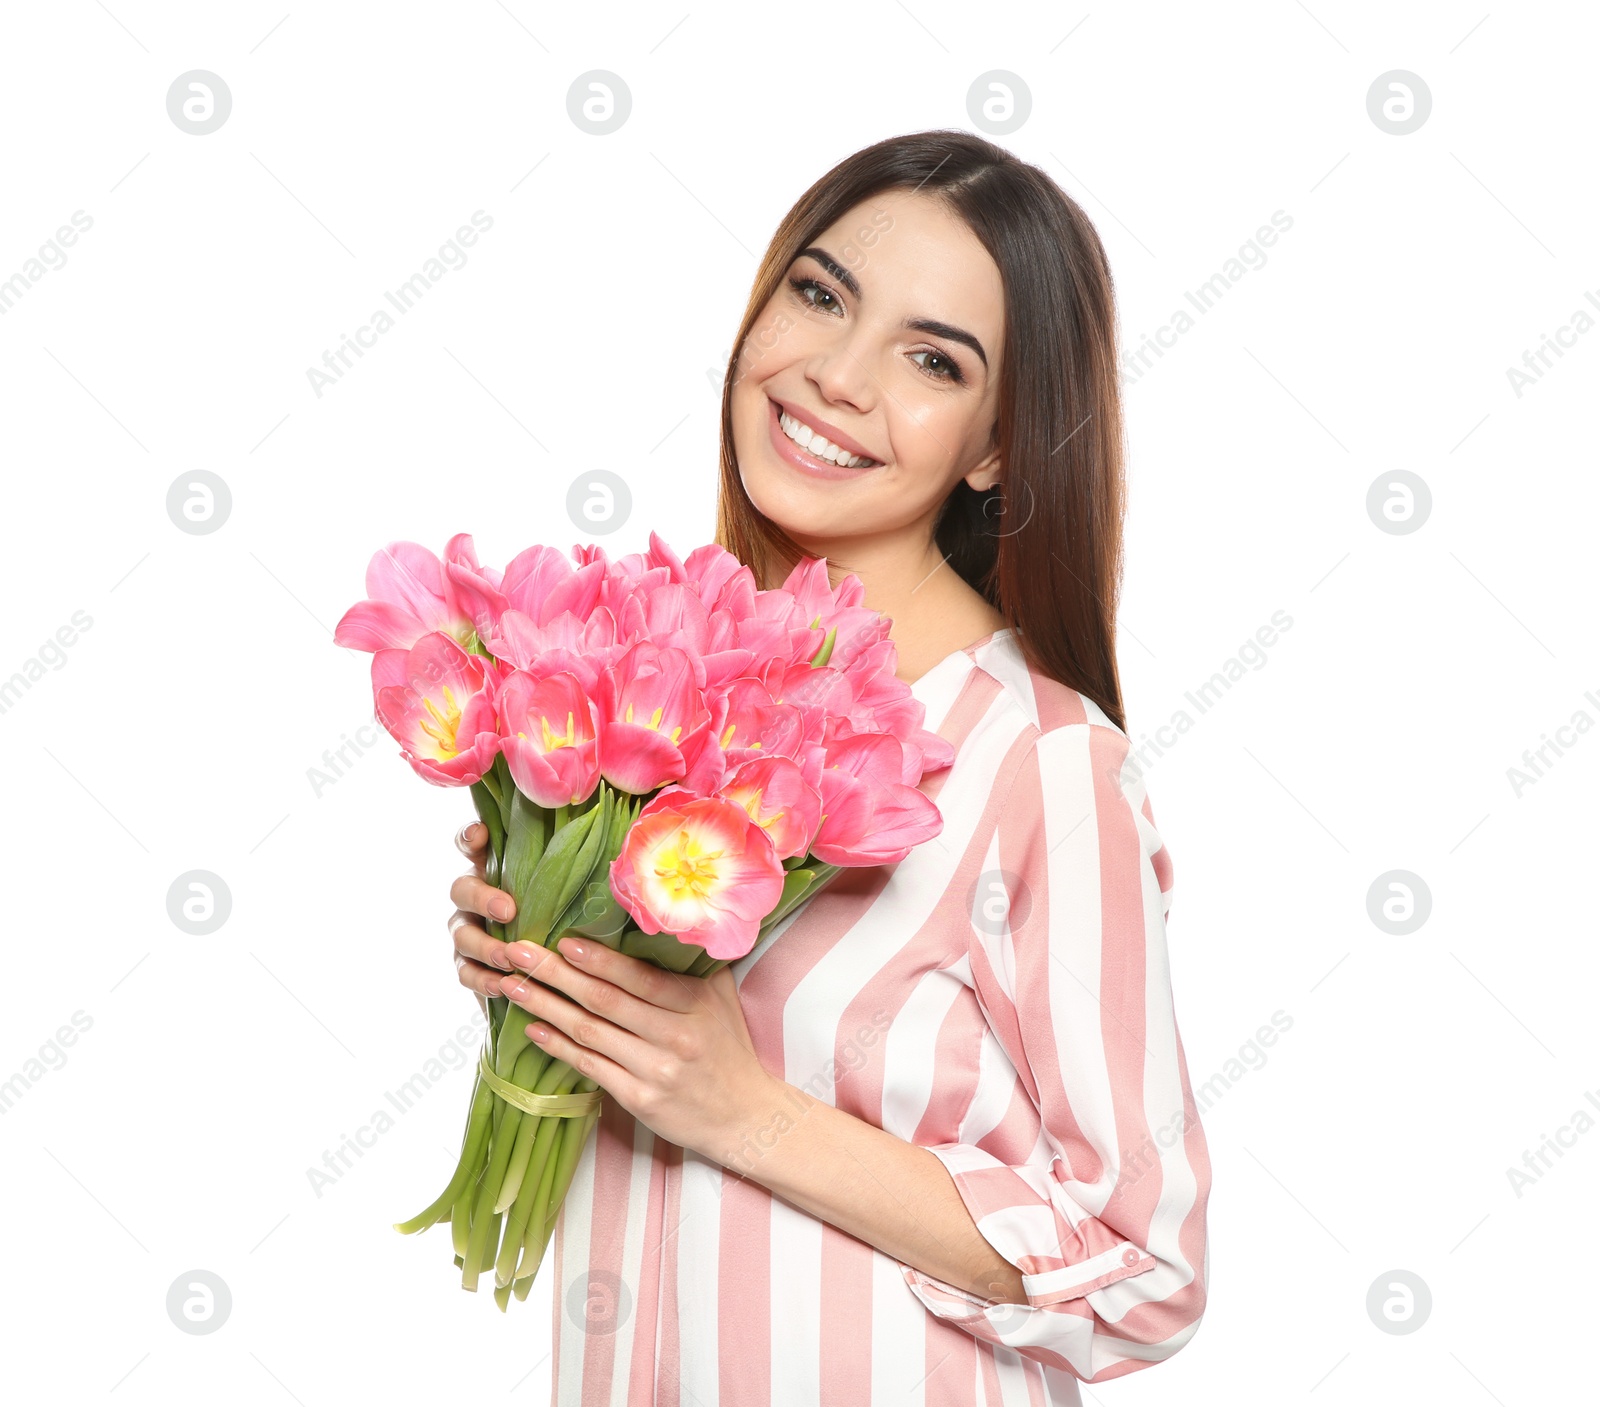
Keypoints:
(986, 472)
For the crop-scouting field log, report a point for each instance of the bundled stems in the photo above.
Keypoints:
(505, 1194)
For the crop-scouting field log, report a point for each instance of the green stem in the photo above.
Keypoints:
(472, 1144)
(532, 1237)
(482, 1212)
(566, 1162)
(461, 1223)
(530, 1065)
(536, 1183)
(544, 1156)
(491, 1242)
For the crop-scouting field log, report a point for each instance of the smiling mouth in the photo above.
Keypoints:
(819, 446)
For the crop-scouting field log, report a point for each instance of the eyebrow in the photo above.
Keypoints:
(929, 325)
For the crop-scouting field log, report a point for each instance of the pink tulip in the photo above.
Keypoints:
(439, 703)
(699, 868)
(831, 608)
(774, 791)
(649, 707)
(870, 817)
(541, 583)
(550, 737)
(410, 594)
(566, 643)
(754, 726)
(724, 582)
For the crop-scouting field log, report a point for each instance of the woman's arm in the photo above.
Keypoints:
(891, 1194)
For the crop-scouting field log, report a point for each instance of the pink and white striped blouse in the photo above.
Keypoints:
(1001, 997)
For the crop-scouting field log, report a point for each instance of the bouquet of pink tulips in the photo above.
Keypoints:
(668, 761)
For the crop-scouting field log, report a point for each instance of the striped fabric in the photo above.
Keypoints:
(1001, 997)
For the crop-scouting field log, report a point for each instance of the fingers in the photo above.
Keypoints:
(475, 896)
(473, 842)
(480, 960)
(473, 942)
(481, 981)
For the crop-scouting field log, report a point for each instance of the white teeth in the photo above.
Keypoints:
(813, 443)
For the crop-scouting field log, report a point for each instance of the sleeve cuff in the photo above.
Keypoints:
(1059, 1260)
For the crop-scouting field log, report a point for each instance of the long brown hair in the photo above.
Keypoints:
(1044, 545)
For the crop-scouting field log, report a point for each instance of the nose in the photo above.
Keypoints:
(841, 376)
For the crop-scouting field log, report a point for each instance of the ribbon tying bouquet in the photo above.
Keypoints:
(668, 760)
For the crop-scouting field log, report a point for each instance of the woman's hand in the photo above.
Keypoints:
(480, 960)
(674, 1051)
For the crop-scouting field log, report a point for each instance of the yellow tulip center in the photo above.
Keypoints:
(441, 724)
(655, 721)
(555, 740)
(752, 804)
(687, 871)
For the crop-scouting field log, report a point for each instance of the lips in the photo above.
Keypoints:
(804, 461)
(831, 433)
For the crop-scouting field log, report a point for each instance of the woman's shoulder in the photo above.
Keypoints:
(1056, 752)
(1029, 699)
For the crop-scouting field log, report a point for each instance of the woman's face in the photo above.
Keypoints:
(884, 339)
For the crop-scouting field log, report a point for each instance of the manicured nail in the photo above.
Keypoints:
(501, 907)
(572, 948)
(523, 955)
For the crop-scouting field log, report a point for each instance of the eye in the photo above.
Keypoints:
(804, 288)
(939, 366)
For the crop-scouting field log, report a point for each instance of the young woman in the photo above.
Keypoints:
(933, 1140)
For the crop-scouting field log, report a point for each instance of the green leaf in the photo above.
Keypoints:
(525, 846)
(552, 884)
(662, 949)
(595, 913)
(826, 652)
(799, 886)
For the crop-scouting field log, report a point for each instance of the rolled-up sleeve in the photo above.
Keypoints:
(1087, 1168)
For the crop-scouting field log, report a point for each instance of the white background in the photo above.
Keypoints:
(178, 732)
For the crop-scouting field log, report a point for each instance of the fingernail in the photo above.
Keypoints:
(524, 956)
(515, 988)
(501, 908)
(572, 948)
